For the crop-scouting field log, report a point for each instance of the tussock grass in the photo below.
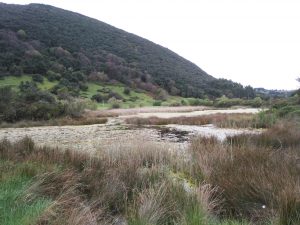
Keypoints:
(234, 120)
(89, 189)
(257, 178)
(247, 180)
(56, 122)
(283, 134)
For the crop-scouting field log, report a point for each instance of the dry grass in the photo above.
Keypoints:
(256, 179)
(245, 178)
(88, 189)
(56, 122)
(133, 111)
(234, 120)
(283, 134)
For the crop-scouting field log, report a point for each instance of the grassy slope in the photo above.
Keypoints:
(15, 82)
(142, 98)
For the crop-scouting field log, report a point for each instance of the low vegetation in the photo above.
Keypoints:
(72, 50)
(249, 179)
(281, 109)
(56, 122)
(233, 120)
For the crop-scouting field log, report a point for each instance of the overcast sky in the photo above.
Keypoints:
(255, 42)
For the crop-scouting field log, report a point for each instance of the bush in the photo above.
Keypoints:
(76, 107)
(126, 91)
(38, 78)
(197, 102)
(16, 70)
(226, 102)
(115, 103)
(256, 102)
(184, 102)
(174, 104)
(52, 76)
(157, 103)
(99, 98)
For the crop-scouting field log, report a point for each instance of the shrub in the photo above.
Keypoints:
(115, 103)
(38, 78)
(21, 34)
(52, 76)
(226, 102)
(126, 91)
(174, 104)
(16, 70)
(184, 102)
(157, 103)
(197, 101)
(76, 107)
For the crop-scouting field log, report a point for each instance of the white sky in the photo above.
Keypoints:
(254, 42)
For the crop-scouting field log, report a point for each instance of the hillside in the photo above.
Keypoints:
(73, 49)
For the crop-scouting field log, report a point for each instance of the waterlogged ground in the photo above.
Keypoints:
(104, 136)
(202, 112)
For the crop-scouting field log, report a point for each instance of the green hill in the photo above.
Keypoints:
(73, 49)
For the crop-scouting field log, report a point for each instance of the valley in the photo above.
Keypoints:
(99, 126)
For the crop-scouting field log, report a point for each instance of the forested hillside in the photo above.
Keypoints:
(72, 49)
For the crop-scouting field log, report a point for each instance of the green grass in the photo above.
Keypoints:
(46, 85)
(15, 82)
(142, 99)
(14, 180)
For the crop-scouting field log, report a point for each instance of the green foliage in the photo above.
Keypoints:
(226, 102)
(75, 107)
(21, 34)
(157, 103)
(197, 101)
(15, 179)
(126, 91)
(38, 78)
(71, 48)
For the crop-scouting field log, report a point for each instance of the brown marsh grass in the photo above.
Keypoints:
(56, 122)
(229, 182)
(129, 184)
(234, 120)
(257, 180)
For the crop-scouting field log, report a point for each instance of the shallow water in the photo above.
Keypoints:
(211, 130)
(193, 113)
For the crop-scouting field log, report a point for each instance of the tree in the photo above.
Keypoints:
(38, 78)
(16, 70)
(126, 91)
(7, 104)
(21, 34)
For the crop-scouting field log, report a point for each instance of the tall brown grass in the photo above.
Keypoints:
(56, 122)
(257, 180)
(247, 177)
(126, 184)
(234, 120)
